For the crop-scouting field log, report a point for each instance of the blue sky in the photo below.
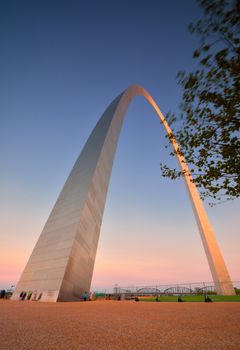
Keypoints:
(61, 64)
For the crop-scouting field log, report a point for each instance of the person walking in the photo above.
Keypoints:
(2, 294)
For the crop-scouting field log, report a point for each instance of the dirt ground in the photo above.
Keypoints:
(119, 325)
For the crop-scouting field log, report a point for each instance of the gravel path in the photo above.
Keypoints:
(119, 325)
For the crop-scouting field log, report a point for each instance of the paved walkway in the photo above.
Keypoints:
(119, 325)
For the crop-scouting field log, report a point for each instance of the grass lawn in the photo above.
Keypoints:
(192, 298)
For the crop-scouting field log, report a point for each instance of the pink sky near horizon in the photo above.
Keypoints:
(141, 260)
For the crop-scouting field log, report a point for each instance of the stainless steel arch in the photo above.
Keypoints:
(61, 265)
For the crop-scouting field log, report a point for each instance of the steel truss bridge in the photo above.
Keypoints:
(196, 288)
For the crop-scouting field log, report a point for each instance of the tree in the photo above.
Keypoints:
(208, 127)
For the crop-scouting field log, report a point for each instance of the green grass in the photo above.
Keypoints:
(192, 298)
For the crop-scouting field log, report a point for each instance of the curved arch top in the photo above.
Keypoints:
(61, 265)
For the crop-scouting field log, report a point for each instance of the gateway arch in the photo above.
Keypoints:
(61, 265)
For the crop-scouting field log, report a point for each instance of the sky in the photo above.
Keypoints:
(61, 64)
